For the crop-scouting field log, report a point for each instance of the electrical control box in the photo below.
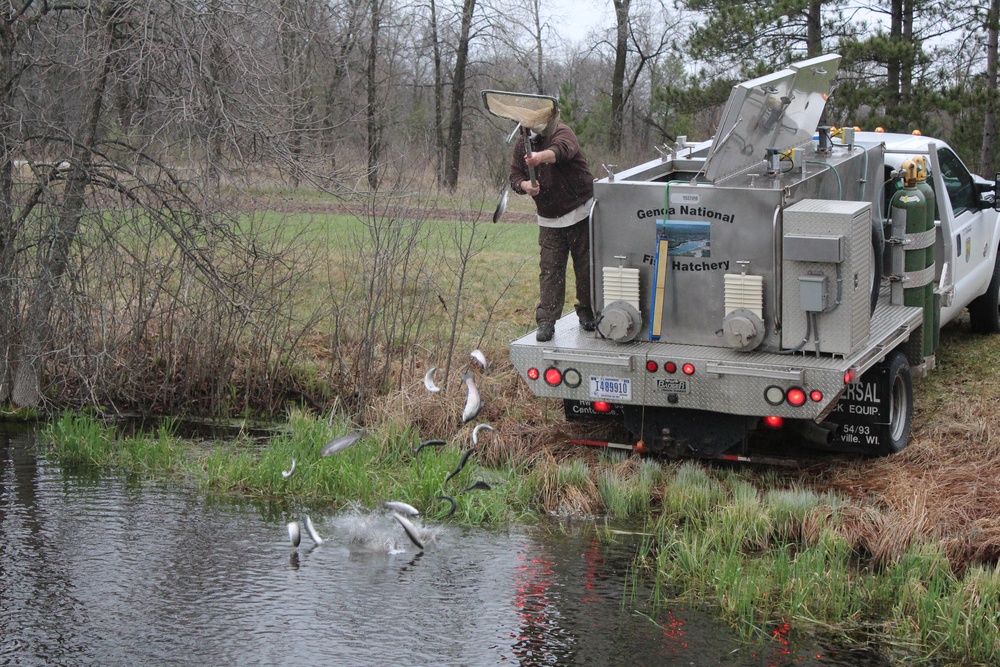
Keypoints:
(827, 275)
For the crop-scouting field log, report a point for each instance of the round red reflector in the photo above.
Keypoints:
(553, 376)
(601, 406)
(815, 395)
(688, 369)
(533, 374)
(774, 422)
(849, 376)
(651, 366)
(670, 367)
(796, 397)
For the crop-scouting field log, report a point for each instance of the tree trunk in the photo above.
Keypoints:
(54, 255)
(893, 64)
(814, 28)
(439, 144)
(374, 123)
(618, 75)
(454, 153)
(987, 153)
(8, 142)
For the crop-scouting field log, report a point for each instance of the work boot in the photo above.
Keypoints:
(588, 323)
(545, 332)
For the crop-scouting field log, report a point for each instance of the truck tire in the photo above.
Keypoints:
(984, 311)
(900, 414)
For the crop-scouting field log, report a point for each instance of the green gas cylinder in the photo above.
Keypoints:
(909, 208)
(933, 302)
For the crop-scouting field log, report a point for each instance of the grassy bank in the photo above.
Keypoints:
(757, 545)
(902, 549)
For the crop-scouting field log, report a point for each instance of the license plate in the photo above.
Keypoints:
(613, 388)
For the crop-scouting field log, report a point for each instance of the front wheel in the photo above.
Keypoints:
(984, 311)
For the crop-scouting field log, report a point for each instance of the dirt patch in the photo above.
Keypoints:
(334, 207)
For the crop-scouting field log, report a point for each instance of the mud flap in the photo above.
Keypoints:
(865, 414)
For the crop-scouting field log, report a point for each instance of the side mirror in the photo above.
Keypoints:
(996, 189)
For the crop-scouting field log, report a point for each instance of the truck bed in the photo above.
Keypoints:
(725, 380)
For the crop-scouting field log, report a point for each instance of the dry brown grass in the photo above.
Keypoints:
(945, 487)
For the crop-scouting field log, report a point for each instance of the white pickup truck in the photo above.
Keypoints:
(779, 278)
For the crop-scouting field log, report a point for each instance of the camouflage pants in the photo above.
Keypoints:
(557, 244)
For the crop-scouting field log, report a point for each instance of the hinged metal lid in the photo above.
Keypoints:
(779, 110)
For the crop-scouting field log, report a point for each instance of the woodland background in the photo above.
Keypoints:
(148, 149)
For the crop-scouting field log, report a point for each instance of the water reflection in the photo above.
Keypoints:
(96, 570)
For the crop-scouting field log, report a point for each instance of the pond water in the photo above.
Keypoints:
(103, 570)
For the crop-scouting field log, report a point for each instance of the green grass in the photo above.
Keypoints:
(725, 543)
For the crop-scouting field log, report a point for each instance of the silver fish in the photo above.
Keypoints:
(451, 500)
(294, 533)
(475, 432)
(478, 485)
(461, 464)
(401, 507)
(342, 443)
(312, 531)
(481, 358)
(473, 404)
(502, 204)
(427, 443)
(411, 530)
(288, 473)
(429, 381)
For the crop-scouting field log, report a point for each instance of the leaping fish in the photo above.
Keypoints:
(473, 404)
(312, 531)
(480, 357)
(411, 530)
(475, 432)
(451, 500)
(478, 485)
(427, 443)
(294, 533)
(401, 507)
(461, 464)
(343, 442)
(288, 473)
(502, 204)
(429, 381)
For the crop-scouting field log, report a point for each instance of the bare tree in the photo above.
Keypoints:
(456, 124)
(987, 152)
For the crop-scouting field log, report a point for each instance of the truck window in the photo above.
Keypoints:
(957, 181)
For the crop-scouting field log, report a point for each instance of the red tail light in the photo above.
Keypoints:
(533, 374)
(553, 376)
(796, 397)
(774, 422)
(601, 406)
